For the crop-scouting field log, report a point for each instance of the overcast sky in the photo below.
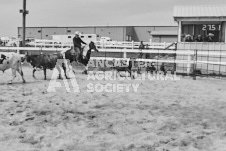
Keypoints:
(91, 12)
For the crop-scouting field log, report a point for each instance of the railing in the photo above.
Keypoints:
(110, 44)
(18, 49)
(186, 56)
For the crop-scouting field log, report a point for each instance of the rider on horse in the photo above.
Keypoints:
(77, 46)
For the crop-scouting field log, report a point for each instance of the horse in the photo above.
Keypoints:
(84, 56)
(13, 61)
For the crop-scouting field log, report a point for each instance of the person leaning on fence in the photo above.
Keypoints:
(188, 38)
(141, 47)
(147, 55)
(210, 37)
(78, 46)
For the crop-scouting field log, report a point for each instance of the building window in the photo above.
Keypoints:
(128, 38)
(207, 32)
(89, 36)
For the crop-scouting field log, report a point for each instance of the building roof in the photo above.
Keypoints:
(164, 32)
(200, 11)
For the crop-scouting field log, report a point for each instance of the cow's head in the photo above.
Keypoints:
(2, 58)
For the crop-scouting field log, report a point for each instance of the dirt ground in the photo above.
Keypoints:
(182, 115)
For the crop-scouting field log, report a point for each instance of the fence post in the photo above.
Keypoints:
(195, 64)
(189, 60)
(124, 53)
(132, 44)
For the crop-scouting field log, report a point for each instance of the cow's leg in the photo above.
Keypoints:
(59, 71)
(130, 73)
(117, 71)
(13, 76)
(19, 70)
(34, 73)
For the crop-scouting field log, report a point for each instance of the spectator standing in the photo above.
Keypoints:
(188, 38)
(141, 47)
(199, 39)
(210, 37)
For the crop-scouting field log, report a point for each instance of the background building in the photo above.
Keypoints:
(118, 33)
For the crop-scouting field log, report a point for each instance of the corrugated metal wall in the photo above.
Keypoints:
(48, 32)
(31, 32)
(118, 33)
(84, 30)
(168, 39)
(142, 33)
(115, 33)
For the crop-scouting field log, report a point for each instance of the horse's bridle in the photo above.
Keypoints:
(86, 53)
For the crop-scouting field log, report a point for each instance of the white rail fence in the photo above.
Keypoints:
(188, 51)
(115, 44)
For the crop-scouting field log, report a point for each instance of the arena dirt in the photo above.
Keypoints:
(182, 115)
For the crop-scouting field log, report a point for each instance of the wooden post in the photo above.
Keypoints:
(179, 31)
(189, 60)
(24, 22)
(224, 24)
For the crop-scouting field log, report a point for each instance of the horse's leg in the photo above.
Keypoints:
(13, 75)
(86, 70)
(44, 69)
(34, 73)
(65, 70)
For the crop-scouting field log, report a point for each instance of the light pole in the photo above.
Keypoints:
(24, 13)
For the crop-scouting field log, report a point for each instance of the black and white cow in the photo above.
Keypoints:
(13, 61)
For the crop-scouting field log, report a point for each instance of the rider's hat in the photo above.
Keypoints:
(77, 33)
